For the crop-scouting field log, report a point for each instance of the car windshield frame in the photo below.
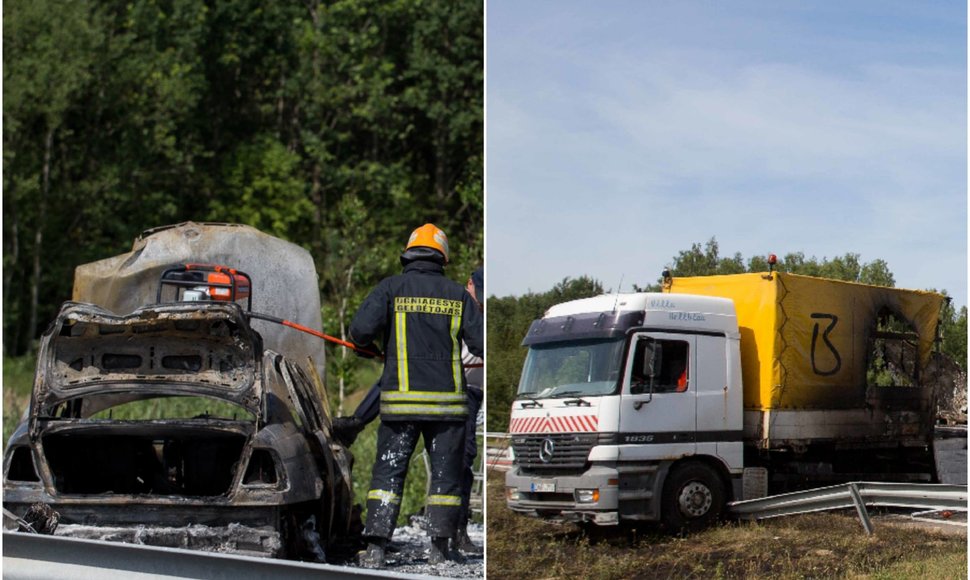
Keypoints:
(577, 368)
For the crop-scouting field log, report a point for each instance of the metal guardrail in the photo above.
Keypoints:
(38, 557)
(857, 495)
(497, 456)
(925, 496)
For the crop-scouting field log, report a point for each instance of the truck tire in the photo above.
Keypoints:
(693, 498)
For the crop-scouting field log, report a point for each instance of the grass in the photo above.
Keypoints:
(944, 567)
(809, 546)
(175, 408)
(18, 379)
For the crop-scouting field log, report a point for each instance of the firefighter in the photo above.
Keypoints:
(422, 319)
(475, 378)
(346, 429)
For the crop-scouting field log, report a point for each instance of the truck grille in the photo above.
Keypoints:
(568, 450)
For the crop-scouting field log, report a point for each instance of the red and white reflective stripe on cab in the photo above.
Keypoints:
(567, 424)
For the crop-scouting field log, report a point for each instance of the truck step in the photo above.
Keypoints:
(635, 495)
(629, 469)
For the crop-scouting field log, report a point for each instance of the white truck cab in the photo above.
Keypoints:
(629, 407)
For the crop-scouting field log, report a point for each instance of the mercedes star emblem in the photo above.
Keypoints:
(546, 450)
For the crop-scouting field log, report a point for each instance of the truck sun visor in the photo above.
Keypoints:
(582, 326)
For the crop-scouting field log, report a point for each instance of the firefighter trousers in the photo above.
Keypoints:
(444, 441)
(475, 396)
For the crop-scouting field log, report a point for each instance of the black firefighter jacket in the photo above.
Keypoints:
(423, 318)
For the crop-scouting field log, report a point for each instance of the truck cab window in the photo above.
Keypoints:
(671, 369)
(570, 368)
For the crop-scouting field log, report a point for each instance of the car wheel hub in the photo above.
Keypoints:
(695, 499)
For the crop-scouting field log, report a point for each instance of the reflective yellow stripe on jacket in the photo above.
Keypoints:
(423, 403)
(423, 397)
(456, 352)
(401, 338)
(405, 409)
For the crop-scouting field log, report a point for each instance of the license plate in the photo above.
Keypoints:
(543, 486)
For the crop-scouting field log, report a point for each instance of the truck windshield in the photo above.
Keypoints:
(581, 368)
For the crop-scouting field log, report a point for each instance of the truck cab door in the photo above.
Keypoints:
(658, 406)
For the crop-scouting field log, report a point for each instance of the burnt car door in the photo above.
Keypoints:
(332, 457)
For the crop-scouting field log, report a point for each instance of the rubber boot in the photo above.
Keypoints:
(373, 555)
(462, 543)
(441, 553)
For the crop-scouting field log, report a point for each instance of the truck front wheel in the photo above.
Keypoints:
(693, 498)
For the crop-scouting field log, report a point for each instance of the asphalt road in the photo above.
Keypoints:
(950, 449)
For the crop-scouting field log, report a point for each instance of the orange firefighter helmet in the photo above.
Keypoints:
(429, 236)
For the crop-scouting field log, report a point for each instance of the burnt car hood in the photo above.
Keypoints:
(197, 349)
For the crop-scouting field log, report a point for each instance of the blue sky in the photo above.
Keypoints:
(619, 133)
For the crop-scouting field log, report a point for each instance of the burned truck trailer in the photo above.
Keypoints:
(178, 422)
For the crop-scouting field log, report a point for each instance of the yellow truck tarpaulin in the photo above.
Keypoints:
(805, 340)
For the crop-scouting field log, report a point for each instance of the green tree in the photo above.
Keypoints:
(56, 47)
(120, 116)
(877, 273)
(706, 261)
(263, 189)
(953, 332)
(339, 125)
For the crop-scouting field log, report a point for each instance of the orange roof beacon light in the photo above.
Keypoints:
(666, 279)
(772, 260)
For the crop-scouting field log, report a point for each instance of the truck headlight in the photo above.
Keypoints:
(512, 494)
(587, 495)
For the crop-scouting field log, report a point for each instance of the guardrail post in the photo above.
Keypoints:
(860, 507)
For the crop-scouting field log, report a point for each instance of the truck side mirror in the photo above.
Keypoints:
(652, 359)
(650, 362)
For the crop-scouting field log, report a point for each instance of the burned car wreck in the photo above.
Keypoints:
(175, 425)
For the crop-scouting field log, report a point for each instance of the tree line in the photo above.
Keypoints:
(337, 125)
(509, 317)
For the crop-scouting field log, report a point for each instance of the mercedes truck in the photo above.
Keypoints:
(664, 406)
